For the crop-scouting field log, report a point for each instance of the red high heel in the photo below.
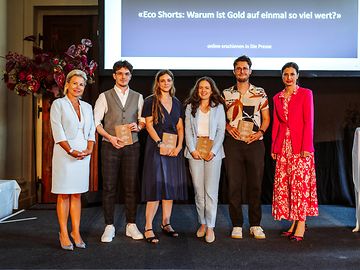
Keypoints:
(295, 238)
(287, 234)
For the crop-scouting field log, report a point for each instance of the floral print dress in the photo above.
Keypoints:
(294, 195)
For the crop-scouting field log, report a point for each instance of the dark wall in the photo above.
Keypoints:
(337, 114)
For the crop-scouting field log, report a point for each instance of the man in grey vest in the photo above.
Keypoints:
(120, 106)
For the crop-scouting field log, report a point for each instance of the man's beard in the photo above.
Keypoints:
(242, 80)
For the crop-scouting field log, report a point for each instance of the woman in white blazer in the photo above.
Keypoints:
(205, 117)
(73, 130)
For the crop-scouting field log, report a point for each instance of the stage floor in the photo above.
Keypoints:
(328, 244)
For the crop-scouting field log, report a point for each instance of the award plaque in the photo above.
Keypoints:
(168, 142)
(123, 132)
(204, 145)
(246, 129)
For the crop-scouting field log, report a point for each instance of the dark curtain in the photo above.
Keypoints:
(337, 97)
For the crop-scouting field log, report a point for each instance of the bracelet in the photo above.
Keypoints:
(263, 132)
(70, 151)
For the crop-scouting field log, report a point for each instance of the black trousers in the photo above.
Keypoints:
(244, 166)
(120, 166)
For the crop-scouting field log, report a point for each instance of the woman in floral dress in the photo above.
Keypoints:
(294, 196)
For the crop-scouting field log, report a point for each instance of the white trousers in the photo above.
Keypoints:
(206, 177)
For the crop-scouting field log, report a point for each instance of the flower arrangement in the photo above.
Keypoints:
(45, 74)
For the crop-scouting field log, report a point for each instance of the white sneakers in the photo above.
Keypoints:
(109, 234)
(257, 232)
(131, 231)
(236, 233)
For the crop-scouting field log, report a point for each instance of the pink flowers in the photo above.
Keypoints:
(45, 74)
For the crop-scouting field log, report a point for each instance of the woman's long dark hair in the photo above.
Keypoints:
(194, 99)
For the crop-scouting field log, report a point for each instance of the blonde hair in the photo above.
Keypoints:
(74, 72)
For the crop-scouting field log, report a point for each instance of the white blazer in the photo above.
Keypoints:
(65, 122)
(216, 130)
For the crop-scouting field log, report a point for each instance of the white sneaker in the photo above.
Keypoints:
(257, 232)
(236, 233)
(109, 234)
(133, 231)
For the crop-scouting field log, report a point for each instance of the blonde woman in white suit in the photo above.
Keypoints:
(73, 130)
(205, 117)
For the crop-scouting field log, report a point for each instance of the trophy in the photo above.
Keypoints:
(204, 145)
(123, 132)
(168, 142)
(246, 129)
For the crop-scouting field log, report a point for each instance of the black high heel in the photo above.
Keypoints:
(151, 239)
(168, 233)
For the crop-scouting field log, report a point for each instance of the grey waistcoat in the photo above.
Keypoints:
(117, 114)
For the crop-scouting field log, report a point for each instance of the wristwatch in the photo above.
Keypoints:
(158, 143)
(70, 151)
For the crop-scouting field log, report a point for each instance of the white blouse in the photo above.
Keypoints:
(203, 124)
